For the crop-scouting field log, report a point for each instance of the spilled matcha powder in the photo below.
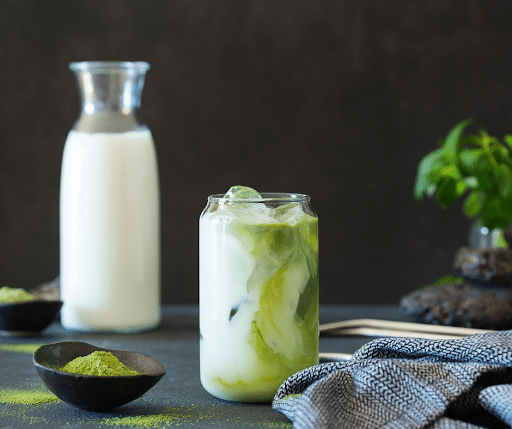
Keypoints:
(20, 348)
(26, 397)
(9, 295)
(98, 363)
(167, 416)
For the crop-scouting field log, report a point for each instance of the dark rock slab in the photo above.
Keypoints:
(467, 305)
(488, 267)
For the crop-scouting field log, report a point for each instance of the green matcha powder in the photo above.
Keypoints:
(10, 295)
(98, 363)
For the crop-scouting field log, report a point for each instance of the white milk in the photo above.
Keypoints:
(110, 232)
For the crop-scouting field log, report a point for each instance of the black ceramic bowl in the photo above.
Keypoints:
(92, 392)
(27, 317)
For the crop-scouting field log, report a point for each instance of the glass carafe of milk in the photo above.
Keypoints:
(109, 206)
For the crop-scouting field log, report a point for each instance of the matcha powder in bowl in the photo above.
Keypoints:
(98, 363)
(93, 378)
(10, 295)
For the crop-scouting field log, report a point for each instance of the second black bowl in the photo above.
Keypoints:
(27, 317)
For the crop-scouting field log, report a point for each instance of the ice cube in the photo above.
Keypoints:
(220, 216)
(254, 214)
(249, 212)
(242, 192)
(290, 212)
(264, 269)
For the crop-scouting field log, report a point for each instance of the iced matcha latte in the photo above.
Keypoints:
(258, 296)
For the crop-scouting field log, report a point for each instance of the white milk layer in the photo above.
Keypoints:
(110, 232)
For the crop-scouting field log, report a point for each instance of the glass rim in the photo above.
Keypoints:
(265, 197)
(139, 66)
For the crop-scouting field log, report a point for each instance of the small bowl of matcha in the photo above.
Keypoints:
(94, 378)
(25, 314)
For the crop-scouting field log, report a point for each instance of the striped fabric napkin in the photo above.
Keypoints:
(407, 383)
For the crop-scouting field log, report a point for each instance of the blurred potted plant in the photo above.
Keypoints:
(479, 169)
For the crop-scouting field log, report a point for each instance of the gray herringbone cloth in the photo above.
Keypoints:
(405, 383)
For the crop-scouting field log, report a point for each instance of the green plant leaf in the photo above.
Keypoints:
(500, 152)
(508, 140)
(496, 212)
(431, 190)
(471, 182)
(470, 140)
(430, 162)
(473, 204)
(504, 179)
(484, 172)
(446, 280)
(468, 159)
(460, 188)
(444, 171)
(452, 141)
(446, 191)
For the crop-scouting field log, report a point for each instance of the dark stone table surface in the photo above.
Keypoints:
(178, 399)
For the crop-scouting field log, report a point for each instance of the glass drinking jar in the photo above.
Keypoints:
(109, 206)
(258, 293)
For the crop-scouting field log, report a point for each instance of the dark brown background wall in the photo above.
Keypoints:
(335, 98)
